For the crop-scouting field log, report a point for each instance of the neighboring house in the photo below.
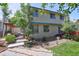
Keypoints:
(47, 25)
(9, 27)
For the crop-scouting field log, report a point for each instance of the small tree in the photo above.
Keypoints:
(4, 8)
(27, 15)
(19, 21)
(23, 18)
(68, 27)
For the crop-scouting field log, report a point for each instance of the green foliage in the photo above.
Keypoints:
(28, 31)
(66, 49)
(65, 8)
(13, 20)
(3, 4)
(10, 38)
(68, 27)
(44, 4)
(76, 38)
(18, 20)
(23, 18)
(68, 36)
(28, 44)
(4, 7)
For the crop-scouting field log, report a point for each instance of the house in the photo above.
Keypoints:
(47, 25)
(9, 28)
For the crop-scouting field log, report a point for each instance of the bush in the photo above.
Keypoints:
(10, 38)
(44, 39)
(28, 44)
(68, 36)
(76, 37)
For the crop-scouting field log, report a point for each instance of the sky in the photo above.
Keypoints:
(16, 6)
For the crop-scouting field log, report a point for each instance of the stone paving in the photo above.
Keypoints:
(55, 43)
(35, 51)
(21, 51)
(10, 53)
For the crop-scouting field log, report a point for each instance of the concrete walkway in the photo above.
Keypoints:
(21, 51)
(35, 51)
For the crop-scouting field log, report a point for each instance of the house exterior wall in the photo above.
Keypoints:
(46, 18)
(53, 29)
(16, 30)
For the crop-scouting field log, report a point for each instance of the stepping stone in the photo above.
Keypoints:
(15, 44)
(30, 52)
(21, 40)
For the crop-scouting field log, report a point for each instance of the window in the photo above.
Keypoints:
(35, 14)
(35, 29)
(61, 17)
(46, 28)
(52, 16)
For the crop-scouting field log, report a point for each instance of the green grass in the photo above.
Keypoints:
(66, 49)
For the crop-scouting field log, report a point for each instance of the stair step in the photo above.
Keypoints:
(15, 44)
(21, 40)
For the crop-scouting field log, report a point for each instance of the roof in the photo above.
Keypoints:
(9, 24)
(47, 10)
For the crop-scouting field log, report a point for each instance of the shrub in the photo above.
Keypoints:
(28, 44)
(44, 39)
(76, 37)
(68, 36)
(10, 38)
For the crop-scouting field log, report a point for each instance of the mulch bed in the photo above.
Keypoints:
(2, 49)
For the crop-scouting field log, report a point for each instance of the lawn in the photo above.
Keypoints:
(66, 49)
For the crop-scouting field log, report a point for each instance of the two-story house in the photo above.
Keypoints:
(47, 25)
